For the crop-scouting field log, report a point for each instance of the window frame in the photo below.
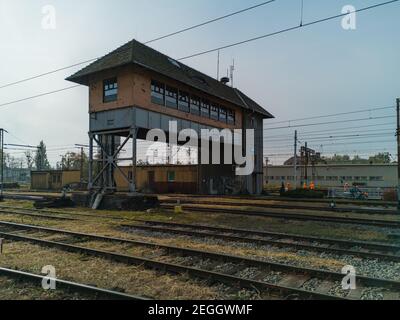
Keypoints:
(169, 177)
(231, 116)
(157, 90)
(222, 110)
(198, 105)
(203, 103)
(106, 88)
(168, 96)
(184, 101)
(214, 108)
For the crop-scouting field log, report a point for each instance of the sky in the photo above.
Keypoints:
(317, 70)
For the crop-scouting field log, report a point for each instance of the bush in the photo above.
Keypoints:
(302, 193)
(11, 185)
(390, 195)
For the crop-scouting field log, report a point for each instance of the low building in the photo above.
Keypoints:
(334, 175)
(160, 178)
(54, 179)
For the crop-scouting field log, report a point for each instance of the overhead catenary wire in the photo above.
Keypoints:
(336, 114)
(147, 42)
(288, 29)
(224, 47)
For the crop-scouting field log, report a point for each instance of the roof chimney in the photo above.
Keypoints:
(225, 80)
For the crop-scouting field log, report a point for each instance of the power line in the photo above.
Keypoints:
(216, 49)
(324, 123)
(39, 95)
(288, 29)
(304, 135)
(336, 114)
(147, 42)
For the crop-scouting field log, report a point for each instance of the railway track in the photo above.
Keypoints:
(370, 250)
(292, 216)
(267, 277)
(62, 215)
(98, 293)
(375, 211)
(378, 203)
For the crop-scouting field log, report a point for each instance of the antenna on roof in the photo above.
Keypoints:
(232, 69)
(218, 66)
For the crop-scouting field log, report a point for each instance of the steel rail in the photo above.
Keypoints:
(38, 215)
(293, 216)
(74, 286)
(288, 206)
(342, 251)
(174, 268)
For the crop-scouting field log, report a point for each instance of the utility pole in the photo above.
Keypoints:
(306, 165)
(81, 164)
(295, 160)
(398, 152)
(2, 162)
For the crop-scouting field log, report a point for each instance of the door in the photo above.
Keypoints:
(151, 180)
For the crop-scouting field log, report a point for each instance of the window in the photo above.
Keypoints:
(195, 105)
(171, 176)
(157, 92)
(214, 112)
(205, 108)
(222, 114)
(375, 178)
(332, 178)
(183, 103)
(110, 90)
(171, 97)
(231, 117)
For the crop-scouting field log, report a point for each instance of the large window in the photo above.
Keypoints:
(183, 103)
(110, 90)
(205, 109)
(222, 114)
(171, 97)
(194, 105)
(231, 117)
(157, 92)
(214, 111)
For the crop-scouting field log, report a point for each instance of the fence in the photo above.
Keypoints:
(353, 193)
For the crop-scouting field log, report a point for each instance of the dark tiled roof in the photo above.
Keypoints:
(137, 53)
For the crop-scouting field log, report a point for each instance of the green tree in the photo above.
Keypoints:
(74, 161)
(380, 158)
(41, 160)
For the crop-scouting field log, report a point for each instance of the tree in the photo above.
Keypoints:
(381, 158)
(29, 159)
(74, 161)
(41, 160)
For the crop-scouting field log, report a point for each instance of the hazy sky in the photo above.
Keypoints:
(318, 70)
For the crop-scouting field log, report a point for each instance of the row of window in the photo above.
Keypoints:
(176, 99)
(329, 178)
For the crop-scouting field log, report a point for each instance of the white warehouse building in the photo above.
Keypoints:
(334, 175)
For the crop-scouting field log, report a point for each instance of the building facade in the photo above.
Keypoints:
(54, 180)
(335, 175)
(161, 179)
(135, 89)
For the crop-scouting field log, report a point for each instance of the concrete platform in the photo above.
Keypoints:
(128, 202)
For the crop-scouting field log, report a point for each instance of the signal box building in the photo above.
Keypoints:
(135, 89)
